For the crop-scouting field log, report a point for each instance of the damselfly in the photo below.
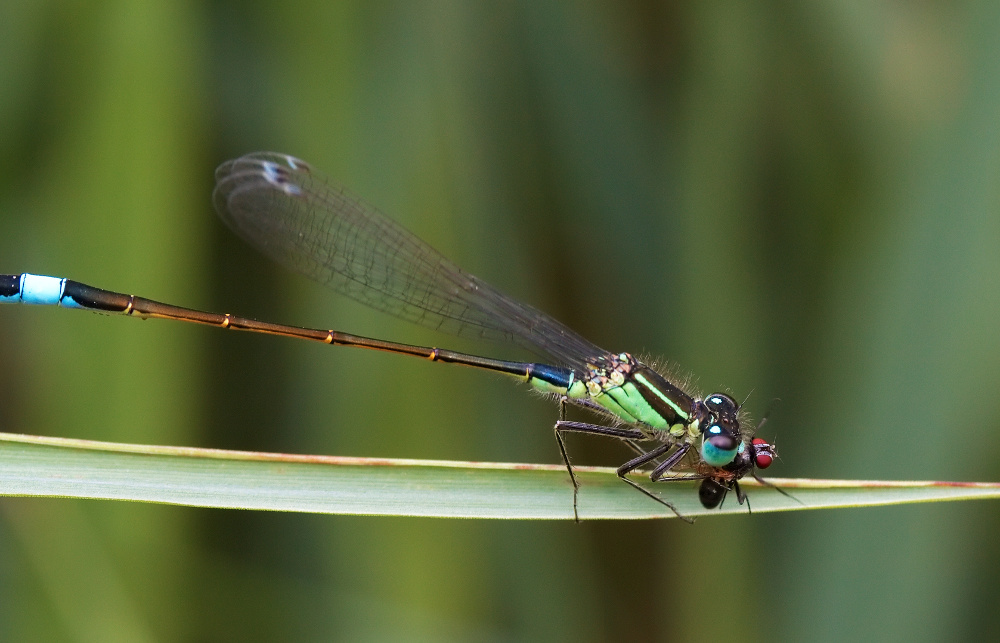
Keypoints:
(311, 225)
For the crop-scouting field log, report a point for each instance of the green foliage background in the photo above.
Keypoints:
(801, 200)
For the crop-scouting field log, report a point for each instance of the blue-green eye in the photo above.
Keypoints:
(718, 446)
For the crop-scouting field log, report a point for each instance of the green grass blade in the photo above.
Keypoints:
(59, 467)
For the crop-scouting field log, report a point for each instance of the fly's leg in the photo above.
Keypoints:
(778, 489)
(741, 496)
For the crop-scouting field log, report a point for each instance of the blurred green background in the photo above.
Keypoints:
(801, 200)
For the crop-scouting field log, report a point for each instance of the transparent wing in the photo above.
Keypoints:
(312, 225)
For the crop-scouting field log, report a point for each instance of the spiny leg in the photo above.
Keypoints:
(635, 447)
(628, 436)
(668, 464)
(625, 435)
(638, 449)
(564, 425)
(600, 410)
(565, 456)
(649, 456)
(645, 457)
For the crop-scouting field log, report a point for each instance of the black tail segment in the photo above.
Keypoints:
(97, 298)
(10, 286)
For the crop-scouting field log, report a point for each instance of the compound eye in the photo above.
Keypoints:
(721, 404)
(763, 453)
(718, 446)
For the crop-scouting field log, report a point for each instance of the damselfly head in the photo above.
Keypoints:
(720, 434)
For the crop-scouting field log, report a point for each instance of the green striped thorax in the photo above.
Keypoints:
(642, 397)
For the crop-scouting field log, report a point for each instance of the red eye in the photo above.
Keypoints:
(763, 455)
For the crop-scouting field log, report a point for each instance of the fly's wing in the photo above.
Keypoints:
(312, 225)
